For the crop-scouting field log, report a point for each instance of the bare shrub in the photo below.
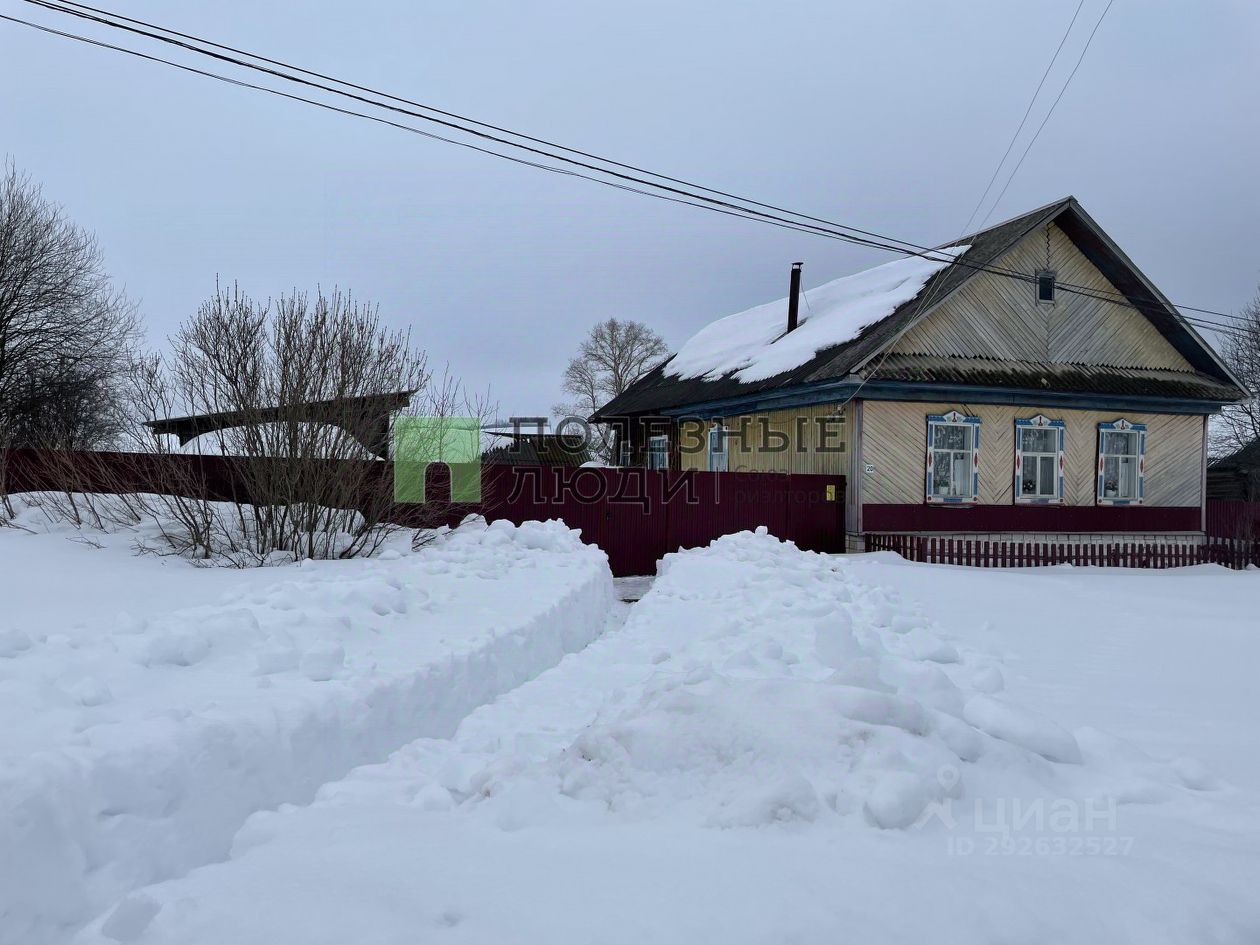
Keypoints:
(289, 394)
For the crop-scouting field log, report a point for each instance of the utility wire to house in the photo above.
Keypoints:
(1024, 120)
(631, 179)
(1049, 112)
(96, 14)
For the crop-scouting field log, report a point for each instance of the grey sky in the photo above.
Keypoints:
(884, 115)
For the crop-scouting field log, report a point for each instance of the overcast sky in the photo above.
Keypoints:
(885, 114)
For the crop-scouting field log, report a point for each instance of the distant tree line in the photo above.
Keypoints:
(67, 335)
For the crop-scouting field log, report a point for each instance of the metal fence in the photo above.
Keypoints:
(639, 515)
(1227, 518)
(635, 515)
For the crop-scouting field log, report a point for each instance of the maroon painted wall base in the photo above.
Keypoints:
(1031, 518)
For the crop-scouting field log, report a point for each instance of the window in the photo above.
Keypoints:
(658, 452)
(718, 438)
(623, 453)
(1121, 452)
(1045, 286)
(1039, 445)
(953, 457)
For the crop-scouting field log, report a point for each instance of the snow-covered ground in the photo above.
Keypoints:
(149, 707)
(784, 747)
(1166, 659)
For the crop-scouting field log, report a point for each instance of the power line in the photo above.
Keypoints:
(1023, 121)
(674, 195)
(876, 240)
(1089, 40)
(885, 243)
(735, 211)
(59, 7)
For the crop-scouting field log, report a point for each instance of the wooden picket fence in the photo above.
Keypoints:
(983, 553)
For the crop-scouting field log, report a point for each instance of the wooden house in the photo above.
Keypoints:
(1236, 477)
(1026, 381)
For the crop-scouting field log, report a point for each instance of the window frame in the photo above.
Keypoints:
(1053, 275)
(1121, 425)
(1039, 422)
(951, 419)
(653, 452)
(623, 453)
(723, 435)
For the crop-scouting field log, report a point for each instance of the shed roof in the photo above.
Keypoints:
(1248, 457)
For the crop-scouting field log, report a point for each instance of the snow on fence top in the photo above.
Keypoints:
(753, 344)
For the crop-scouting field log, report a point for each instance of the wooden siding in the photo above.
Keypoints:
(992, 316)
(747, 444)
(894, 440)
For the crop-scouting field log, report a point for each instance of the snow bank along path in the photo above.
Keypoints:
(769, 750)
(134, 749)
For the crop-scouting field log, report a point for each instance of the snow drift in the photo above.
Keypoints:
(134, 748)
(768, 750)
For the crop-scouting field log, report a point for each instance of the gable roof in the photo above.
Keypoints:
(663, 389)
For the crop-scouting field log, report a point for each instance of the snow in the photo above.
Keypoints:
(782, 746)
(753, 346)
(151, 706)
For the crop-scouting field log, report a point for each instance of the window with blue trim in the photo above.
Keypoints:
(1039, 443)
(953, 457)
(1121, 462)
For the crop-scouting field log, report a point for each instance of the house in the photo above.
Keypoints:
(1236, 477)
(1027, 381)
(531, 443)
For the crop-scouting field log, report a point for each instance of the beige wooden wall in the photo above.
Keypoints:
(992, 316)
(747, 453)
(894, 439)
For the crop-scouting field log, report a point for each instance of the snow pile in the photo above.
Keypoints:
(135, 747)
(753, 344)
(768, 750)
(799, 695)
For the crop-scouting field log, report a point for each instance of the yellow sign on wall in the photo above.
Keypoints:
(831, 493)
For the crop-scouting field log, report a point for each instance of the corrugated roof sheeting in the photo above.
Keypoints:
(1083, 378)
(658, 391)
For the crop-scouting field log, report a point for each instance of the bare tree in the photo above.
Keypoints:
(299, 376)
(66, 335)
(612, 357)
(1239, 424)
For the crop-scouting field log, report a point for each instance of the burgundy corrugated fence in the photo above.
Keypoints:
(639, 515)
(1227, 518)
(1234, 553)
(635, 515)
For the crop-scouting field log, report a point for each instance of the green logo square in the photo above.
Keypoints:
(453, 441)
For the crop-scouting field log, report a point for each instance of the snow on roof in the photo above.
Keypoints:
(753, 343)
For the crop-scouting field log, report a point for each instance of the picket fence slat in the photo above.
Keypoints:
(1233, 553)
